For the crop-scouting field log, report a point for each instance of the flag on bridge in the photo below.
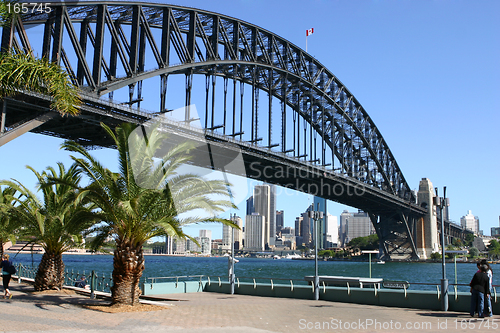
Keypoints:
(309, 32)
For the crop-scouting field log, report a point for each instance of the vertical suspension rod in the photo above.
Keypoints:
(257, 114)
(207, 87)
(189, 85)
(270, 113)
(213, 97)
(225, 96)
(242, 89)
(283, 117)
(234, 104)
(163, 92)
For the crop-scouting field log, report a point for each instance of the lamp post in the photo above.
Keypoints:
(231, 263)
(441, 203)
(315, 215)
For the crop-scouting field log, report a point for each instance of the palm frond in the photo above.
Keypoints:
(21, 71)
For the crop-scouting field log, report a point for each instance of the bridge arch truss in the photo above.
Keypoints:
(249, 83)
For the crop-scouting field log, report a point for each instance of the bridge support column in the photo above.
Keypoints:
(427, 240)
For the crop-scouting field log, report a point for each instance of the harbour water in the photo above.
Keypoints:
(417, 273)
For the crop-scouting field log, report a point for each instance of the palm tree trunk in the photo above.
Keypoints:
(50, 273)
(128, 264)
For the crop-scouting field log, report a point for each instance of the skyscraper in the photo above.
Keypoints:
(227, 234)
(272, 215)
(344, 218)
(262, 206)
(360, 225)
(471, 222)
(254, 232)
(238, 234)
(332, 231)
(354, 225)
(298, 228)
(320, 206)
(305, 227)
(226, 237)
(250, 207)
(280, 221)
(205, 245)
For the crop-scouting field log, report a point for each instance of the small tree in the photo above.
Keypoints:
(436, 256)
(473, 252)
(56, 222)
(469, 239)
(494, 249)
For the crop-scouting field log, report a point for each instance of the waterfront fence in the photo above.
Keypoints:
(94, 280)
(286, 288)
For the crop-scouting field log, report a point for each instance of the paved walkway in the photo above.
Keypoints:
(221, 313)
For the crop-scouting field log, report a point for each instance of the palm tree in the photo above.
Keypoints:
(56, 222)
(8, 226)
(22, 71)
(136, 213)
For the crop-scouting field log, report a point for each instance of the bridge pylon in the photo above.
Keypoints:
(427, 240)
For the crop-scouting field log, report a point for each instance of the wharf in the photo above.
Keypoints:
(210, 312)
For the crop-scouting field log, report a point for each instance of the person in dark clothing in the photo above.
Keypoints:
(480, 288)
(488, 310)
(6, 275)
(81, 283)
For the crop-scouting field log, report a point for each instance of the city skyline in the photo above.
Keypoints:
(426, 72)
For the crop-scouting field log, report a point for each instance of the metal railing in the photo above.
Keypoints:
(103, 283)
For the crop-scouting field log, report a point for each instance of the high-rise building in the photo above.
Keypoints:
(344, 218)
(227, 234)
(191, 246)
(332, 231)
(288, 238)
(250, 207)
(255, 232)
(305, 228)
(280, 221)
(262, 206)
(354, 225)
(495, 231)
(169, 245)
(238, 233)
(272, 215)
(206, 233)
(226, 237)
(320, 206)
(205, 245)
(205, 241)
(471, 222)
(179, 246)
(298, 228)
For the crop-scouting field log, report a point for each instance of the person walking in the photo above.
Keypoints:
(480, 288)
(7, 270)
(488, 310)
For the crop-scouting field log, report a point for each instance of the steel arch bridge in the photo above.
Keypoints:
(258, 92)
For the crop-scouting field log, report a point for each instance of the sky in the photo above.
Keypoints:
(427, 72)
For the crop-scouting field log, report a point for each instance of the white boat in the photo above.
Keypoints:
(292, 256)
(381, 262)
(276, 257)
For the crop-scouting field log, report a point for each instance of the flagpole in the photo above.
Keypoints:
(308, 32)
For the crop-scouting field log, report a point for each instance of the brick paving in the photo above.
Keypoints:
(214, 312)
